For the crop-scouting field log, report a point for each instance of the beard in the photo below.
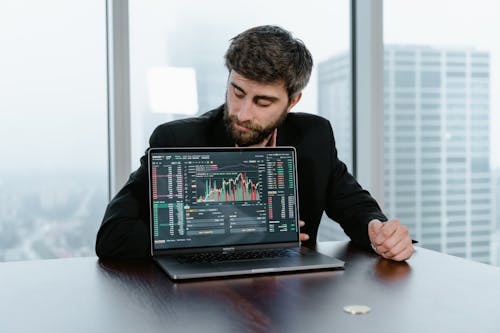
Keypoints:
(256, 133)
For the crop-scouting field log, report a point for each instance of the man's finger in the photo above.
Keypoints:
(387, 230)
(397, 243)
(303, 236)
(272, 140)
(394, 246)
(405, 254)
(373, 228)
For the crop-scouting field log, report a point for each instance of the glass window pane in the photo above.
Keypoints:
(53, 127)
(177, 60)
(169, 35)
(453, 70)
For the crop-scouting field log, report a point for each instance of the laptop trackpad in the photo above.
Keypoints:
(250, 265)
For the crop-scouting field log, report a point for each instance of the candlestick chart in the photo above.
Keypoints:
(221, 188)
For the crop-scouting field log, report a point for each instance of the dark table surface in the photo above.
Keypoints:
(432, 292)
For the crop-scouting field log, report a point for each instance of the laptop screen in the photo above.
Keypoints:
(206, 197)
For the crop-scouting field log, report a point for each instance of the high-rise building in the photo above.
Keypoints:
(334, 102)
(437, 147)
(496, 197)
(495, 242)
(436, 143)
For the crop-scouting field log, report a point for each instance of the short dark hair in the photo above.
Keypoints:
(270, 54)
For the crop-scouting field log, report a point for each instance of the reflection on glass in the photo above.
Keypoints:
(172, 90)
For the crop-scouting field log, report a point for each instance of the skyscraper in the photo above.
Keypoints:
(436, 144)
(495, 242)
(334, 101)
(437, 174)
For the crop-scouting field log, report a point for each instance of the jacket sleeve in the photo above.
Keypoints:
(348, 203)
(124, 232)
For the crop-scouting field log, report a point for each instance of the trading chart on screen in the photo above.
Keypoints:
(232, 195)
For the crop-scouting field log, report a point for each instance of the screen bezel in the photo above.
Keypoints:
(229, 247)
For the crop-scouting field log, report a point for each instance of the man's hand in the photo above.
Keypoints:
(303, 237)
(390, 239)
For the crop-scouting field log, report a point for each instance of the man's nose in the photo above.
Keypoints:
(245, 111)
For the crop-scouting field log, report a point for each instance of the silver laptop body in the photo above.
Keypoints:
(219, 212)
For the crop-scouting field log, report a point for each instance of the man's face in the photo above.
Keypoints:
(254, 109)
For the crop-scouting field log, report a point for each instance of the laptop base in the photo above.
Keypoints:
(299, 260)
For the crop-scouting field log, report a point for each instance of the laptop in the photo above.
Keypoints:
(218, 212)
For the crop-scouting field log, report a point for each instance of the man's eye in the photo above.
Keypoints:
(263, 103)
(238, 93)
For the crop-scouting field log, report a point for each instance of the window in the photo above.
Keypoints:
(172, 41)
(53, 128)
(172, 35)
(455, 79)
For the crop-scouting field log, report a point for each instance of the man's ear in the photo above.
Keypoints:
(294, 101)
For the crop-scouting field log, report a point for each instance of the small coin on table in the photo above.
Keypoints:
(357, 309)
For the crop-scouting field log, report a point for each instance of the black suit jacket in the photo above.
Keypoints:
(323, 181)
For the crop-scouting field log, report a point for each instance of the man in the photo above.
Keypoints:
(268, 69)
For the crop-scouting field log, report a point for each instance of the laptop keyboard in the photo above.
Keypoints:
(233, 256)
